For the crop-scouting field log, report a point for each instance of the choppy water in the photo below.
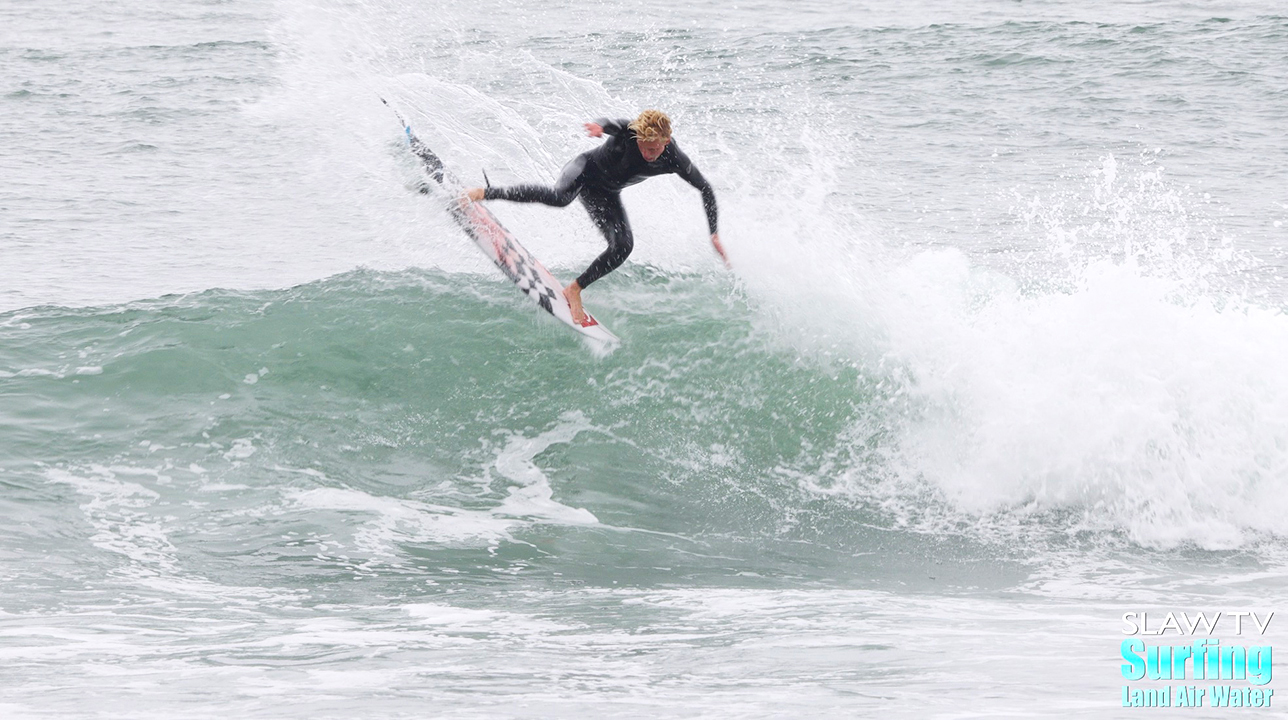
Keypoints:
(1000, 359)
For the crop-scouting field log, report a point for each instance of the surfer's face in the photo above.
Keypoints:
(652, 149)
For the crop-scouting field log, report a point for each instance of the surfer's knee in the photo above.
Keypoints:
(562, 197)
(620, 248)
(623, 240)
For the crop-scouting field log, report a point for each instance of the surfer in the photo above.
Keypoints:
(636, 149)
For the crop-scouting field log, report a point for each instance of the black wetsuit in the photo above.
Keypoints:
(598, 177)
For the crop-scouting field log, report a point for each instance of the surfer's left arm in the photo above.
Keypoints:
(690, 173)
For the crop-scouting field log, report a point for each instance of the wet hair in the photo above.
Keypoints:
(651, 125)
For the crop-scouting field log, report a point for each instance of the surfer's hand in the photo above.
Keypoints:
(474, 194)
(594, 129)
(715, 243)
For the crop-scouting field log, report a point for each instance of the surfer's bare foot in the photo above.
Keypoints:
(474, 194)
(573, 295)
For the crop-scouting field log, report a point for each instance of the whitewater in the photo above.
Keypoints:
(999, 359)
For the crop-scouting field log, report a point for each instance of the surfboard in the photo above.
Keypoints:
(514, 260)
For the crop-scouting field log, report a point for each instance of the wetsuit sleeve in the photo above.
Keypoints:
(613, 127)
(687, 170)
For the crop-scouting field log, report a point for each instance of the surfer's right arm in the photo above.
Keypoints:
(604, 126)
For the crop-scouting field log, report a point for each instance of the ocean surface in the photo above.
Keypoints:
(1001, 357)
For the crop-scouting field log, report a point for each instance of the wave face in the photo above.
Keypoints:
(456, 415)
(431, 412)
(1001, 348)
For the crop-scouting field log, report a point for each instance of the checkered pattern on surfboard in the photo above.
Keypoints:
(513, 259)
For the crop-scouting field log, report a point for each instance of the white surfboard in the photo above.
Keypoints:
(502, 247)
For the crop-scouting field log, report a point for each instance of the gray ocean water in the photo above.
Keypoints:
(1000, 359)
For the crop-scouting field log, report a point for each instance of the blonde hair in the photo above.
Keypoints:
(651, 125)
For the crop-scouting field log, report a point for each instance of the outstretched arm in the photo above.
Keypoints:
(604, 126)
(687, 170)
(693, 176)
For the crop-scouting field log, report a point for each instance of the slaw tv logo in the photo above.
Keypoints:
(1248, 667)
